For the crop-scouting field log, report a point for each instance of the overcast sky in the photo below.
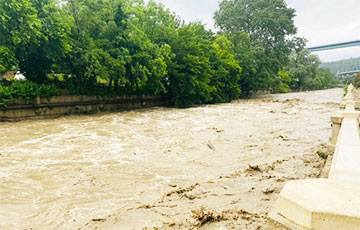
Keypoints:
(322, 22)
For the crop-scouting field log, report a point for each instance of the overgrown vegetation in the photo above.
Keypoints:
(26, 90)
(115, 47)
(357, 81)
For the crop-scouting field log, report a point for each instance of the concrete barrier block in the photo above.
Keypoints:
(349, 132)
(350, 114)
(320, 204)
(336, 121)
(345, 165)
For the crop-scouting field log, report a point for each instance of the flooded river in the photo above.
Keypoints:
(210, 167)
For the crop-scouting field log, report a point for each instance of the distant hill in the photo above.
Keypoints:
(343, 65)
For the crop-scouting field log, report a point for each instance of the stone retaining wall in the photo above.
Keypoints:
(67, 104)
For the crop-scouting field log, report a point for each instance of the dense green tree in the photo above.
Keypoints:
(83, 62)
(282, 82)
(357, 81)
(53, 45)
(146, 68)
(306, 73)
(327, 78)
(227, 71)
(125, 55)
(302, 67)
(33, 36)
(8, 60)
(190, 72)
(20, 32)
(270, 25)
(263, 20)
(249, 81)
(159, 23)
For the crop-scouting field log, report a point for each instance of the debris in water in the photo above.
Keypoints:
(269, 191)
(146, 206)
(253, 168)
(203, 216)
(180, 190)
(285, 138)
(99, 220)
(217, 130)
(189, 196)
(211, 146)
(324, 151)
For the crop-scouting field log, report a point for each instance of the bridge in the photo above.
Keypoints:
(334, 46)
(338, 46)
(348, 73)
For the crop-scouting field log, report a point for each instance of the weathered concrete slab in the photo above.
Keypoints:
(355, 103)
(348, 114)
(349, 132)
(320, 204)
(336, 121)
(275, 222)
(346, 166)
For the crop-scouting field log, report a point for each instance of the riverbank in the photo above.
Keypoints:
(57, 106)
(210, 167)
(64, 105)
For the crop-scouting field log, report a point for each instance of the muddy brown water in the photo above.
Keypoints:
(210, 167)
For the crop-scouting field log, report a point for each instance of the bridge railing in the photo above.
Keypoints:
(332, 203)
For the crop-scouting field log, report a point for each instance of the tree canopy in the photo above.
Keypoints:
(357, 80)
(133, 47)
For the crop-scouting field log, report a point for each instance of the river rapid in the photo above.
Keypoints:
(210, 167)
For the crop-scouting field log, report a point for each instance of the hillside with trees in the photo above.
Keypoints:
(343, 65)
(111, 47)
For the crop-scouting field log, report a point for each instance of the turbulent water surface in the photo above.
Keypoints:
(162, 168)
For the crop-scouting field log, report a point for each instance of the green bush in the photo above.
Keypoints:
(26, 90)
(282, 82)
(357, 81)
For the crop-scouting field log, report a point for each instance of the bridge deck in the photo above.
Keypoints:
(334, 46)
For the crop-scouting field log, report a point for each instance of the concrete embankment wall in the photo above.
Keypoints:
(67, 104)
(332, 203)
